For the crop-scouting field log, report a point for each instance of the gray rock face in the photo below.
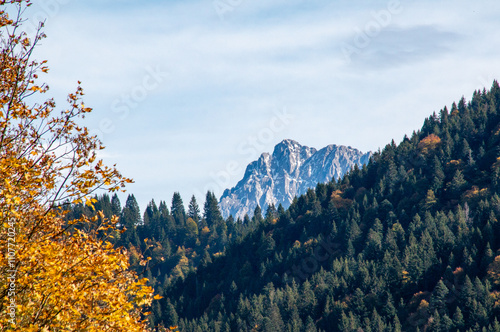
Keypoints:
(288, 172)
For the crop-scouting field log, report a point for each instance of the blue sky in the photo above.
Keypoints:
(187, 93)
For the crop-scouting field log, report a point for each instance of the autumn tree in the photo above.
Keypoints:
(55, 275)
(429, 143)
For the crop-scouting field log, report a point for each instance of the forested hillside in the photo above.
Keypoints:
(165, 244)
(407, 243)
(406, 238)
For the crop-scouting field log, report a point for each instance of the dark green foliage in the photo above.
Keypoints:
(212, 214)
(116, 207)
(176, 242)
(406, 243)
(130, 219)
(194, 210)
(403, 244)
(177, 210)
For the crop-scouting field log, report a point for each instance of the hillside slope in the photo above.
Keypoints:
(407, 243)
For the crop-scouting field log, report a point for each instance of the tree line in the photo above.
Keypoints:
(407, 243)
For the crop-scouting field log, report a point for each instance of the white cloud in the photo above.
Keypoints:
(226, 77)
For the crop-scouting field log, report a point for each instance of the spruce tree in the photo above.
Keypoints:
(194, 210)
(116, 207)
(212, 212)
(438, 298)
(177, 210)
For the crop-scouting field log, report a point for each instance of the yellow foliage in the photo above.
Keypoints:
(454, 163)
(340, 202)
(406, 277)
(205, 231)
(181, 268)
(496, 164)
(423, 305)
(54, 276)
(497, 131)
(309, 242)
(495, 298)
(475, 193)
(191, 227)
(430, 199)
(494, 271)
(429, 143)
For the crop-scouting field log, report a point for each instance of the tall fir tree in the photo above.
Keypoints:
(211, 213)
(194, 210)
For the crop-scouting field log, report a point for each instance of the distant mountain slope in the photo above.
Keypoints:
(411, 242)
(288, 172)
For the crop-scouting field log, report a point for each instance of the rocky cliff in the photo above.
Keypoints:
(288, 172)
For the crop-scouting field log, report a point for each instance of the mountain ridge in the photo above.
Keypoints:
(289, 171)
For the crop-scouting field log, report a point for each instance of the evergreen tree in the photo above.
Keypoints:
(257, 215)
(170, 315)
(177, 210)
(212, 212)
(271, 213)
(130, 219)
(310, 326)
(116, 207)
(131, 214)
(438, 298)
(194, 210)
(458, 319)
(457, 183)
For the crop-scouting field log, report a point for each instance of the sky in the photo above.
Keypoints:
(187, 93)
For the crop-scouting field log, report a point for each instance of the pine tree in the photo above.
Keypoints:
(458, 319)
(167, 220)
(177, 210)
(170, 317)
(446, 323)
(152, 219)
(358, 303)
(373, 245)
(435, 322)
(116, 207)
(457, 183)
(130, 219)
(267, 245)
(194, 210)
(438, 175)
(271, 213)
(212, 212)
(377, 324)
(310, 326)
(397, 324)
(273, 321)
(496, 326)
(131, 214)
(257, 215)
(438, 298)
(307, 300)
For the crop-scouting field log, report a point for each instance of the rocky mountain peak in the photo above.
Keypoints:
(288, 172)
